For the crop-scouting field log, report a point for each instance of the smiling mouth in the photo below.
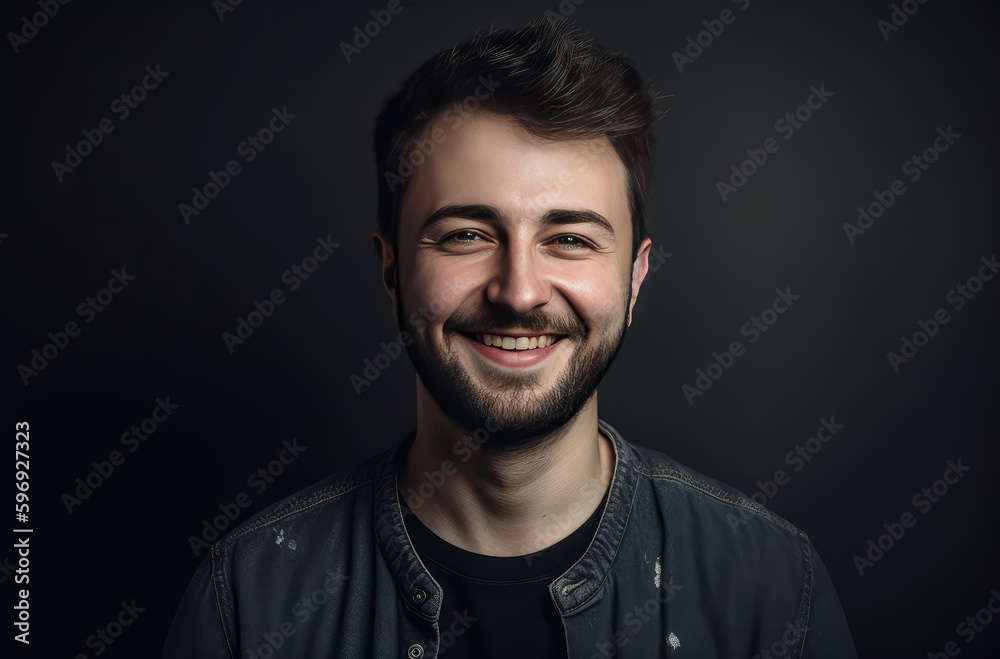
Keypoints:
(516, 343)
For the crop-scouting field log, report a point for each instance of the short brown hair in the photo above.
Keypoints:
(554, 82)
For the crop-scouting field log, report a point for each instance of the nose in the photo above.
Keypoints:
(518, 281)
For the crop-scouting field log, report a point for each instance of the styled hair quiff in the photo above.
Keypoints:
(554, 82)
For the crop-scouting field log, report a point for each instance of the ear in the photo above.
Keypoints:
(386, 253)
(639, 269)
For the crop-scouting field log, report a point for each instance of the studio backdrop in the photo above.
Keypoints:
(194, 325)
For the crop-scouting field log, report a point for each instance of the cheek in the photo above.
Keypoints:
(440, 286)
(597, 296)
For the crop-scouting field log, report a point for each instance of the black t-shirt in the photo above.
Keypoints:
(499, 606)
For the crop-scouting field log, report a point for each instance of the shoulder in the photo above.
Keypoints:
(713, 524)
(717, 498)
(295, 554)
(325, 508)
(730, 553)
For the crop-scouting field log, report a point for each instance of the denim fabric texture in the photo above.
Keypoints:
(680, 563)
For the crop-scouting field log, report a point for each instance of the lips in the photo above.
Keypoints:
(520, 342)
(514, 357)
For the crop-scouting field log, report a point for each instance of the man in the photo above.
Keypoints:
(512, 522)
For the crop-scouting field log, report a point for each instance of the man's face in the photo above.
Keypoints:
(526, 244)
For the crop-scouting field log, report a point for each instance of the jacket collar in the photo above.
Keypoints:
(579, 585)
(573, 590)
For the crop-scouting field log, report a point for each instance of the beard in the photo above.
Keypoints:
(507, 404)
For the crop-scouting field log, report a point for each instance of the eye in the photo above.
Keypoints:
(461, 238)
(572, 243)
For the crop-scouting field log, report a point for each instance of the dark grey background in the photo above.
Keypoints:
(825, 357)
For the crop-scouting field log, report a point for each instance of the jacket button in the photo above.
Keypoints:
(415, 652)
(418, 597)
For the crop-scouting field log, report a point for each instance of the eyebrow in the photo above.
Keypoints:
(486, 213)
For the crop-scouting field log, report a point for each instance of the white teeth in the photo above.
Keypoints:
(518, 343)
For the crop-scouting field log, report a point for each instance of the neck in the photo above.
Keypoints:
(505, 503)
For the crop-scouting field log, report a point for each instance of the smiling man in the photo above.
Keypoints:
(512, 521)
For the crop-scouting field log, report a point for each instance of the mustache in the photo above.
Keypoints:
(502, 318)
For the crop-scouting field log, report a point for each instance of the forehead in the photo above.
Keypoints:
(485, 158)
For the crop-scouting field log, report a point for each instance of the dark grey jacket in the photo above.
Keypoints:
(681, 566)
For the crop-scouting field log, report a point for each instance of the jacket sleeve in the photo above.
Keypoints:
(198, 630)
(827, 633)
